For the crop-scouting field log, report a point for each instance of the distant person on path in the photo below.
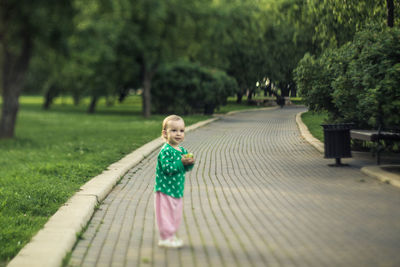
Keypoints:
(172, 163)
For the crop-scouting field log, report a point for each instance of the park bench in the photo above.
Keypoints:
(376, 136)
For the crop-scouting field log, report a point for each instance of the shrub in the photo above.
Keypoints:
(313, 79)
(373, 79)
(187, 88)
(358, 82)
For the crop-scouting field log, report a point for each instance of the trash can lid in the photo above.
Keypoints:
(342, 126)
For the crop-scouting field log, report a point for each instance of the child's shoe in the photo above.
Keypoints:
(172, 242)
(178, 242)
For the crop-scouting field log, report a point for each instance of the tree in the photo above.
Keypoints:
(22, 25)
(247, 55)
(337, 21)
(161, 31)
(229, 36)
(93, 49)
(287, 37)
(45, 75)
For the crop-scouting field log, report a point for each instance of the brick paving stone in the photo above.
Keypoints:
(259, 195)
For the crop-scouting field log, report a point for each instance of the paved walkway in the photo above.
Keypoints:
(259, 195)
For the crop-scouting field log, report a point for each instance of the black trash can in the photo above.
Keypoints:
(337, 141)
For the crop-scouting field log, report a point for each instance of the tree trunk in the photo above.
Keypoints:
(92, 106)
(123, 94)
(239, 97)
(146, 96)
(209, 109)
(286, 91)
(49, 96)
(267, 90)
(14, 72)
(77, 99)
(293, 91)
(250, 95)
(390, 13)
(9, 110)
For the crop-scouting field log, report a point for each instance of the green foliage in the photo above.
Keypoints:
(287, 39)
(32, 28)
(47, 20)
(371, 79)
(336, 21)
(358, 82)
(103, 47)
(91, 68)
(313, 77)
(187, 88)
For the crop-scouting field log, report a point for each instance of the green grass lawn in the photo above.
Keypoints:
(55, 152)
(313, 121)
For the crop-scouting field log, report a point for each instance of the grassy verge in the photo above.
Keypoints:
(313, 121)
(297, 100)
(55, 152)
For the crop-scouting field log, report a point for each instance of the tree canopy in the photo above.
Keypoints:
(105, 48)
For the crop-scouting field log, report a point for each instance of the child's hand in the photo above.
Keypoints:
(188, 159)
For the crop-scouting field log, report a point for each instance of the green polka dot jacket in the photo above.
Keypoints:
(170, 172)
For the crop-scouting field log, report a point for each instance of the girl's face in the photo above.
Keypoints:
(175, 132)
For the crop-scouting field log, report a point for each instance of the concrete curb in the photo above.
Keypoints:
(382, 175)
(372, 171)
(58, 236)
(305, 133)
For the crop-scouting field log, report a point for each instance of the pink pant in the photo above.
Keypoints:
(168, 214)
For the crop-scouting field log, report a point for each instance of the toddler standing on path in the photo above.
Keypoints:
(172, 163)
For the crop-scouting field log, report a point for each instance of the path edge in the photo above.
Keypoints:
(372, 171)
(55, 240)
(305, 133)
(382, 175)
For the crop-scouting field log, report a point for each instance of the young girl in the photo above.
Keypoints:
(172, 163)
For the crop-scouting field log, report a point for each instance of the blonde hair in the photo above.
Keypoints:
(168, 119)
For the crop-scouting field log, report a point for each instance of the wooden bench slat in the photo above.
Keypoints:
(370, 135)
(375, 136)
(364, 135)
